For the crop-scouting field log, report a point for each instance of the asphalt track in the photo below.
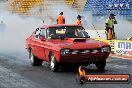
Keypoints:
(16, 72)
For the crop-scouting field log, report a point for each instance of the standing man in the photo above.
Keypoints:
(60, 19)
(110, 25)
(78, 21)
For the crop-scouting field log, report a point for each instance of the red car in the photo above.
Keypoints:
(65, 44)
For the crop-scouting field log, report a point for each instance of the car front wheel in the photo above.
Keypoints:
(53, 63)
(34, 60)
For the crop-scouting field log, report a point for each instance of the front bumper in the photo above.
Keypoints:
(78, 58)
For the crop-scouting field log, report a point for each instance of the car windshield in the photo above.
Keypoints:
(67, 32)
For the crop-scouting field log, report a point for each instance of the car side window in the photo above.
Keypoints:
(43, 32)
(37, 33)
(48, 33)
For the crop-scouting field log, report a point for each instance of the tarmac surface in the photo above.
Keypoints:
(16, 72)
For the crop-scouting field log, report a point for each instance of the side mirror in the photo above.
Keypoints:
(42, 38)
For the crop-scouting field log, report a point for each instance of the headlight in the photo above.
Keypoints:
(105, 49)
(65, 51)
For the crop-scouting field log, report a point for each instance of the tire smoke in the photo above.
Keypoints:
(15, 31)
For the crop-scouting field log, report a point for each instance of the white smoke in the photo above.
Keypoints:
(123, 29)
(54, 10)
(17, 29)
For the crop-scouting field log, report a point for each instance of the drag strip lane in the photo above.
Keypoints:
(18, 64)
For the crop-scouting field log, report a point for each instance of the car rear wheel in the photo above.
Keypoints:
(34, 60)
(53, 63)
(101, 65)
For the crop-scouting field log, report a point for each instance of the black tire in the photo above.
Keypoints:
(101, 65)
(34, 60)
(53, 63)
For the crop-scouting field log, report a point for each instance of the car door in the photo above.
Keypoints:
(35, 42)
(40, 43)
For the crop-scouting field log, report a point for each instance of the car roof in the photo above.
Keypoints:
(59, 25)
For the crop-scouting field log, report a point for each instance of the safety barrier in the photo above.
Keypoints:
(120, 47)
(103, 40)
(123, 47)
(112, 46)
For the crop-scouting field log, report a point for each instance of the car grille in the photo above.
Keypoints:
(84, 51)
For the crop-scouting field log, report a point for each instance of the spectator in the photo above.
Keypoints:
(60, 19)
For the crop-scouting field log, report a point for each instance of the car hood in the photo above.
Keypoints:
(77, 43)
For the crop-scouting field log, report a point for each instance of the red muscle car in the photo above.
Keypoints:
(65, 44)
